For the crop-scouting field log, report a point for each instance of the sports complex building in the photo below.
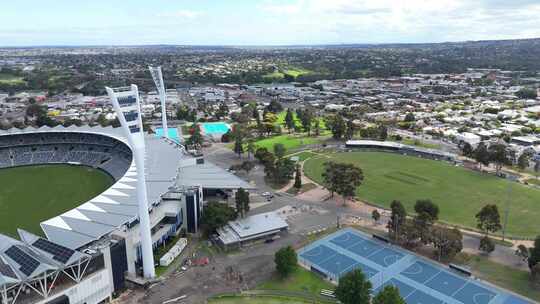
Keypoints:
(420, 281)
(86, 253)
(400, 148)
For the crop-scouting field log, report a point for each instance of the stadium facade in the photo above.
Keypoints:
(88, 252)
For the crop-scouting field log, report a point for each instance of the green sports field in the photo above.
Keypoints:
(29, 195)
(459, 192)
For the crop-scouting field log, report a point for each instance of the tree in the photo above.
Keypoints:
(317, 127)
(383, 132)
(523, 161)
(343, 178)
(447, 242)
(486, 245)
(196, 138)
(466, 149)
(289, 120)
(522, 252)
(284, 170)
(238, 142)
(286, 261)
(397, 218)
(536, 167)
(375, 215)
(498, 155)
(279, 150)
(269, 120)
(242, 202)
(534, 253)
(488, 219)
(350, 130)
(389, 295)
(250, 148)
(298, 178)
(410, 117)
(353, 288)
(426, 214)
(337, 126)
(330, 177)
(215, 216)
(526, 93)
(306, 120)
(247, 166)
(264, 156)
(481, 154)
(274, 106)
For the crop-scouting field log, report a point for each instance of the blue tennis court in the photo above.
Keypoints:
(419, 280)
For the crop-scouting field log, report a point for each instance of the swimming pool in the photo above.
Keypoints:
(173, 134)
(215, 128)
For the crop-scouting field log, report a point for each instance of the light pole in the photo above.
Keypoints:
(157, 75)
(128, 110)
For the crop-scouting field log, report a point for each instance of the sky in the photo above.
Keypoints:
(263, 22)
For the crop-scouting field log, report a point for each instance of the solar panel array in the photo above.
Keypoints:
(5, 270)
(60, 253)
(27, 263)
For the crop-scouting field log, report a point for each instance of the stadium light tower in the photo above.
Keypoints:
(158, 80)
(128, 109)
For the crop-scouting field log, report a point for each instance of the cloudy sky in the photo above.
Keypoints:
(263, 22)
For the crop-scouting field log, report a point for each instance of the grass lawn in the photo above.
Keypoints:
(281, 121)
(302, 155)
(459, 192)
(300, 280)
(32, 194)
(10, 79)
(289, 141)
(506, 277)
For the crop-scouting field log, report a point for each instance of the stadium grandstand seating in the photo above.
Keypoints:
(94, 150)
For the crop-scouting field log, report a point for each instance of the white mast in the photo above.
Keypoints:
(128, 110)
(158, 80)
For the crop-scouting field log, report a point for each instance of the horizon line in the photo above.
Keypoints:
(259, 45)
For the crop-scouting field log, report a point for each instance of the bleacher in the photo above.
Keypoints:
(98, 151)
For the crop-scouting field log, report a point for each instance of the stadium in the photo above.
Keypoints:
(85, 254)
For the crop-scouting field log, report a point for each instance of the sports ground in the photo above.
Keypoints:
(460, 193)
(419, 281)
(32, 194)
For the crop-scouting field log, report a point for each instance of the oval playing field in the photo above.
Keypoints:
(459, 192)
(31, 194)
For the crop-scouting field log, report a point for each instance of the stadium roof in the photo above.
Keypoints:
(209, 176)
(166, 166)
(117, 205)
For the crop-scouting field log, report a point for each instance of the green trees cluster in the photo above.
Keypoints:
(342, 178)
(278, 168)
(355, 288)
(489, 221)
(215, 216)
(242, 202)
(196, 139)
(286, 261)
(421, 229)
(495, 153)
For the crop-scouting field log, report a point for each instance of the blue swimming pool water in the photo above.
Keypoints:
(215, 128)
(419, 280)
(173, 134)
